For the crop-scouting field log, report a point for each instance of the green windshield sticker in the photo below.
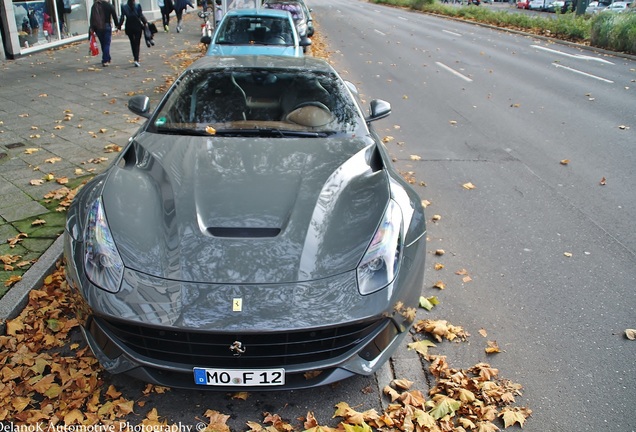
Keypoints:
(160, 121)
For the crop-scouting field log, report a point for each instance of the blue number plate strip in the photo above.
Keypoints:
(239, 377)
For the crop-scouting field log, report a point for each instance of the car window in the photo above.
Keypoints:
(238, 30)
(247, 101)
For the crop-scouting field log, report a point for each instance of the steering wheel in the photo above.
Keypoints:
(312, 103)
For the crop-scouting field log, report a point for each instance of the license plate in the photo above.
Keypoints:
(239, 377)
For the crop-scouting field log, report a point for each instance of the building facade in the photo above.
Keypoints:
(35, 25)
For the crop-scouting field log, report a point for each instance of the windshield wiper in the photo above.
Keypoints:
(272, 132)
(182, 131)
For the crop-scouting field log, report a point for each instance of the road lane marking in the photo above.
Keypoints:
(453, 71)
(453, 33)
(576, 56)
(583, 73)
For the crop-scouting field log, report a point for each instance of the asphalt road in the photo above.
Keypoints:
(502, 111)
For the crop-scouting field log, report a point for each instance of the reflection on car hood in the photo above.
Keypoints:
(239, 210)
(234, 50)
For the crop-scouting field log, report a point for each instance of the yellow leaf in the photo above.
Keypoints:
(38, 222)
(36, 182)
(31, 150)
(436, 218)
(440, 252)
(403, 384)
(20, 403)
(416, 158)
(469, 186)
(421, 346)
(492, 347)
(74, 417)
(53, 160)
(439, 285)
(240, 395)
(438, 266)
(483, 332)
(210, 130)
(565, 161)
(426, 203)
(567, 254)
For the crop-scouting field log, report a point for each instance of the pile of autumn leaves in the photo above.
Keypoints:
(47, 379)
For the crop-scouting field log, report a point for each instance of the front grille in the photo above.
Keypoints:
(261, 349)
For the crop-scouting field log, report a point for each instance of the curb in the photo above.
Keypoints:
(12, 303)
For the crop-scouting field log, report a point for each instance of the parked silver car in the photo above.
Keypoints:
(253, 234)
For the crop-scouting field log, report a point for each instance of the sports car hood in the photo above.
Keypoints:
(234, 50)
(239, 210)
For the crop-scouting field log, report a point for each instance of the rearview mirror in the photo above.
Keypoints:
(305, 41)
(207, 40)
(140, 105)
(379, 109)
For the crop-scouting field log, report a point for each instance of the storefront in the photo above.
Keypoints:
(34, 25)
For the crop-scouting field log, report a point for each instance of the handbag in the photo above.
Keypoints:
(152, 27)
(92, 45)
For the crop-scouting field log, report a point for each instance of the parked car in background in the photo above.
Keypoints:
(256, 32)
(597, 6)
(540, 5)
(523, 4)
(296, 9)
(618, 7)
(563, 6)
(253, 234)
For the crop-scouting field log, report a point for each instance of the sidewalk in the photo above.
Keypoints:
(62, 117)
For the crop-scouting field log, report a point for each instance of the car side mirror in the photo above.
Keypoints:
(305, 41)
(379, 109)
(140, 105)
(207, 40)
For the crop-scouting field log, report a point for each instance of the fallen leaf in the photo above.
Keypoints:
(440, 252)
(438, 266)
(421, 346)
(31, 150)
(565, 161)
(483, 332)
(469, 186)
(603, 181)
(53, 160)
(492, 347)
(567, 254)
(426, 203)
(38, 222)
(630, 334)
(415, 157)
(436, 218)
(439, 285)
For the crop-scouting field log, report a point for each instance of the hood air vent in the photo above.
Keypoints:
(243, 232)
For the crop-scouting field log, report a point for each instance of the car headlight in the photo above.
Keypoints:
(102, 262)
(382, 259)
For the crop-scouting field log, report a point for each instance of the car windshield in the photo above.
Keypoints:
(258, 102)
(250, 30)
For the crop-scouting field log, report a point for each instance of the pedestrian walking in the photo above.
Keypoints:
(179, 7)
(103, 17)
(136, 22)
(166, 7)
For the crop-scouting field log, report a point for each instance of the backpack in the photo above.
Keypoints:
(98, 20)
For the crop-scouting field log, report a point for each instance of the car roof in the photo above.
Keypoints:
(258, 12)
(263, 62)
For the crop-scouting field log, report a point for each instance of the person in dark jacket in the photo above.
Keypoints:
(179, 7)
(135, 21)
(105, 33)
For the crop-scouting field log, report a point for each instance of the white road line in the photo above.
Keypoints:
(453, 71)
(576, 56)
(583, 73)
(453, 33)
(378, 31)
